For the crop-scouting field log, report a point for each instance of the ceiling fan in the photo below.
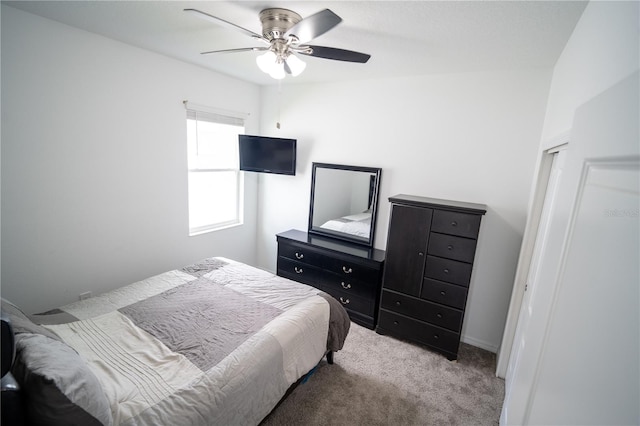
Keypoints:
(284, 35)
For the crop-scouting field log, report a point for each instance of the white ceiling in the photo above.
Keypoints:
(403, 37)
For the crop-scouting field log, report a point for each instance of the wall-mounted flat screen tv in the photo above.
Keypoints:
(267, 154)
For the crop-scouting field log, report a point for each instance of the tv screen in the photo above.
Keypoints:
(267, 155)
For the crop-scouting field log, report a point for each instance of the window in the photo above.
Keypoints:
(215, 183)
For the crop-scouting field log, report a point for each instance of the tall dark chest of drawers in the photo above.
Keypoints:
(349, 272)
(429, 259)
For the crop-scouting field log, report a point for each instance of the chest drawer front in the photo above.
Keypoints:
(420, 331)
(452, 247)
(447, 270)
(454, 223)
(350, 270)
(299, 271)
(299, 253)
(349, 286)
(423, 310)
(353, 302)
(444, 293)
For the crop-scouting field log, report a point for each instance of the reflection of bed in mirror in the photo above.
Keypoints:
(354, 224)
(343, 202)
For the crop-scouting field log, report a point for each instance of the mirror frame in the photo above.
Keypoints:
(374, 204)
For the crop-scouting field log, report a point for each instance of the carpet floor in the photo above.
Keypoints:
(379, 380)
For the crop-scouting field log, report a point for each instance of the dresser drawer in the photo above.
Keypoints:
(351, 270)
(454, 223)
(423, 310)
(300, 253)
(448, 270)
(350, 286)
(419, 331)
(452, 247)
(352, 302)
(299, 271)
(444, 293)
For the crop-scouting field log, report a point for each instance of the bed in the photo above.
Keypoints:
(355, 224)
(216, 342)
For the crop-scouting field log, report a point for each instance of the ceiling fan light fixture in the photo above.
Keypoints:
(277, 71)
(296, 65)
(267, 61)
(274, 64)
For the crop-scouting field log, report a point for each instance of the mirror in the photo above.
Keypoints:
(343, 202)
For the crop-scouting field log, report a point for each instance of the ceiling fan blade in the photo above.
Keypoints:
(335, 54)
(241, 49)
(314, 26)
(220, 21)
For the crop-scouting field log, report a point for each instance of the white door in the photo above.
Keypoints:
(587, 367)
(536, 302)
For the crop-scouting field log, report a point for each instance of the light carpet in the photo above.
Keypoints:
(380, 380)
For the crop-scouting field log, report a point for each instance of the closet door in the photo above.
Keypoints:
(537, 298)
(406, 249)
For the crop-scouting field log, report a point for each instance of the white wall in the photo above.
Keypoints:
(469, 137)
(602, 50)
(94, 182)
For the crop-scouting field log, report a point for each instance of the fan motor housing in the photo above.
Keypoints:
(276, 22)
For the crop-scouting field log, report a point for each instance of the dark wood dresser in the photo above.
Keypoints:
(429, 259)
(349, 272)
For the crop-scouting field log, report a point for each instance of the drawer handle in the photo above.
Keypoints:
(398, 303)
(299, 255)
(449, 247)
(346, 286)
(435, 336)
(395, 323)
(454, 223)
(445, 270)
(420, 253)
(347, 270)
(344, 301)
(298, 270)
(443, 293)
(439, 315)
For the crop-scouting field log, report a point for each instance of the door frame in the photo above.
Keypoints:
(532, 225)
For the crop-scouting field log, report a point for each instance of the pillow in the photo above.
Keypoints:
(21, 323)
(59, 387)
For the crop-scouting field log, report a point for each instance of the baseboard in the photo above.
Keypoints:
(479, 344)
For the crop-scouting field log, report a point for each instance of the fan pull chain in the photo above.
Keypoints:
(279, 99)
